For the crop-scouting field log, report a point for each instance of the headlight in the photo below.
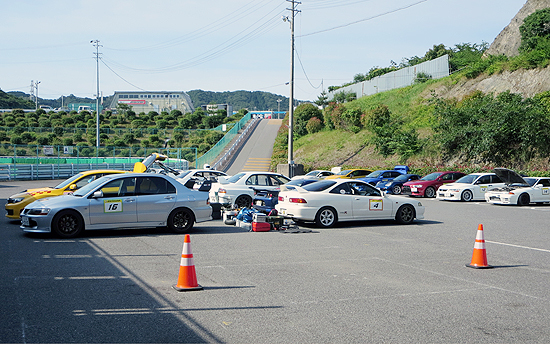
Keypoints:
(39, 211)
(15, 200)
(454, 190)
(417, 186)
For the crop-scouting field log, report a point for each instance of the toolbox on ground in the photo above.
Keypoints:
(261, 226)
(275, 221)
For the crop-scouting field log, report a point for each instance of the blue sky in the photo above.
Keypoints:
(220, 45)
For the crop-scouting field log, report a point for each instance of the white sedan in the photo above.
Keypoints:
(328, 201)
(119, 201)
(239, 189)
(471, 187)
(519, 190)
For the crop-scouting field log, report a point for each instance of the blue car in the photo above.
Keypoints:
(385, 175)
(395, 186)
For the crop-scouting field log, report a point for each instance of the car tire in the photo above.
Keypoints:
(396, 190)
(181, 220)
(524, 199)
(326, 217)
(467, 196)
(67, 224)
(243, 201)
(429, 192)
(405, 214)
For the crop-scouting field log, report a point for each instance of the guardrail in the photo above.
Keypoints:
(63, 171)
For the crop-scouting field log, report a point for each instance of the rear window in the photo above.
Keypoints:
(319, 186)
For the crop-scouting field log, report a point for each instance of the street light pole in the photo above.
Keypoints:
(291, 100)
(278, 106)
(96, 44)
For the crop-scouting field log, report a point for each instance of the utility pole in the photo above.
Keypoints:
(36, 96)
(293, 11)
(96, 44)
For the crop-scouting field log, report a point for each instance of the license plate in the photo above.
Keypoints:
(414, 189)
(25, 221)
(260, 203)
(283, 211)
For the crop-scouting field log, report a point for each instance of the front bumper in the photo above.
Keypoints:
(36, 224)
(447, 195)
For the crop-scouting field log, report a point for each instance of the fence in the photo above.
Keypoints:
(52, 162)
(210, 156)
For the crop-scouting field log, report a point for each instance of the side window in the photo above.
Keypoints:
(342, 189)
(112, 188)
(366, 189)
(544, 182)
(151, 186)
(447, 176)
(395, 174)
(484, 180)
(458, 175)
(263, 180)
(414, 178)
(252, 180)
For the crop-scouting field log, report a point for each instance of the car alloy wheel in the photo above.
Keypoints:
(405, 214)
(524, 199)
(466, 196)
(181, 220)
(396, 189)
(67, 224)
(243, 201)
(326, 217)
(430, 192)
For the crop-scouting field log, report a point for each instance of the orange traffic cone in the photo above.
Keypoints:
(479, 257)
(187, 279)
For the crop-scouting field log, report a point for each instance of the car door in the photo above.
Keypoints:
(481, 186)
(368, 202)
(341, 198)
(117, 204)
(155, 199)
(542, 191)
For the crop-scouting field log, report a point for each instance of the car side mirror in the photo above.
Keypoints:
(98, 194)
(72, 187)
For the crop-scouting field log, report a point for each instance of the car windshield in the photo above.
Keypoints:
(313, 173)
(68, 181)
(89, 187)
(343, 173)
(319, 186)
(468, 179)
(432, 176)
(235, 178)
(401, 178)
(374, 174)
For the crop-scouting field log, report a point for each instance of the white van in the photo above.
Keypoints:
(84, 108)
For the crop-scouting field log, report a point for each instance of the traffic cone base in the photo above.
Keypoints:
(187, 278)
(479, 257)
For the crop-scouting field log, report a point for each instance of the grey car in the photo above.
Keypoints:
(119, 201)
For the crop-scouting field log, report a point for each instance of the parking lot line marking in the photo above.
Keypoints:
(518, 246)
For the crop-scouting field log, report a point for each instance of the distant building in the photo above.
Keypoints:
(216, 107)
(154, 101)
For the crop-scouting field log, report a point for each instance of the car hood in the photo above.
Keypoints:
(52, 202)
(509, 176)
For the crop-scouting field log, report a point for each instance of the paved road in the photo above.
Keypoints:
(256, 153)
(360, 282)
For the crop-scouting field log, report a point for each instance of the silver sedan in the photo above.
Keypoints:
(119, 201)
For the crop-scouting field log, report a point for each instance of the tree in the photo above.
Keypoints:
(534, 28)
(302, 114)
(322, 100)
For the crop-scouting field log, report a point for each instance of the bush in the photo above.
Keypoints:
(314, 125)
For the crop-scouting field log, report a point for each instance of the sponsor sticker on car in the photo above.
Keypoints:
(376, 204)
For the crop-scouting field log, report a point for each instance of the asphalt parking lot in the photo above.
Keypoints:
(359, 282)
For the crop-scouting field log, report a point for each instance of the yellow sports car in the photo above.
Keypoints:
(350, 174)
(17, 202)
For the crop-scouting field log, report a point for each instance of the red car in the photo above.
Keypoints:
(428, 185)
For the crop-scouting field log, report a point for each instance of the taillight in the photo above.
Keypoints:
(281, 199)
(297, 200)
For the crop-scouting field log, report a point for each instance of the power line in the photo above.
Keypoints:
(365, 19)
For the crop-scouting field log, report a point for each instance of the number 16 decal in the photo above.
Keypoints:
(112, 206)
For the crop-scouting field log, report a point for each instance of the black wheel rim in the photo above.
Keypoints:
(242, 202)
(68, 224)
(181, 219)
(430, 192)
(407, 214)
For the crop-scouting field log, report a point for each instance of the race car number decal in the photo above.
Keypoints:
(483, 188)
(376, 204)
(112, 206)
(545, 191)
